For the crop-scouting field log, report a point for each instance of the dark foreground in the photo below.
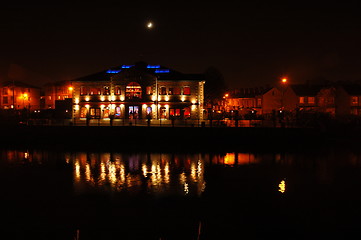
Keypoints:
(177, 138)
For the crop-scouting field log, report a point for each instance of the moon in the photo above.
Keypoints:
(149, 25)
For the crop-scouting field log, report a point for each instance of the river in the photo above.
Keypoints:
(308, 194)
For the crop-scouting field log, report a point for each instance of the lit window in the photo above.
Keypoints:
(83, 90)
(149, 90)
(106, 90)
(187, 113)
(170, 91)
(302, 99)
(117, 91)
(186, 90)
(354, 100)
(83, 112)
(311, 100)
(176, 91)
(163, 91)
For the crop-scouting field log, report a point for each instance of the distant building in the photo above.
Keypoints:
(348, 100)
(17, 95)
(56, 91)
(139, 91)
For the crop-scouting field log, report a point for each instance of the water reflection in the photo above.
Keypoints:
(182, 174)
(152, 173)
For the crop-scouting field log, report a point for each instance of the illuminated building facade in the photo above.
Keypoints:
(18, 95)
(139, 91)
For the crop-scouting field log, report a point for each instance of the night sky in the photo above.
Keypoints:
(250, 42)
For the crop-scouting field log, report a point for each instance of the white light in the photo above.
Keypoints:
(149, 25)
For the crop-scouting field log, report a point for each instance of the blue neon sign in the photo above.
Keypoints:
(114, 71)
(153, 66)
(162, 71)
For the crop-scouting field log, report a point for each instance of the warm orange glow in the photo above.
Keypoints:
(70, 88)
(284, 80)
(282, 186)
(25, 95)
(226, 95)
(230, 159)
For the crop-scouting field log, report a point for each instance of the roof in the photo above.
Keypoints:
(306, 89)
(352, 89)
(17, 84)
(161, 72)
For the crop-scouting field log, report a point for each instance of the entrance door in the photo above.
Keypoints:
(133, 112)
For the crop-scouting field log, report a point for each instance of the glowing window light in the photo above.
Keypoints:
(282, 186)
(102, 98)
(87, 106)
(154, 98)
(114, 71)
(153, 66)
(87, 99)
(76, 107)
(167, 98)
(112, 98)
(102, 106)
(76, 101)
(194, 101)
(167, 106)
(144, 105)
(183, 99)
(162, 71)
(122, 98)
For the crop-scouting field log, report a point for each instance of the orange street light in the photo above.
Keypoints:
(70, 88)
(284, 80)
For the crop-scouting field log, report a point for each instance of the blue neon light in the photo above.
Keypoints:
(153, 66)
(127, 66)
(114, 71)
(162, 71)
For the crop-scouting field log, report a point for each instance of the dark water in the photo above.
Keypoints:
(236, 195)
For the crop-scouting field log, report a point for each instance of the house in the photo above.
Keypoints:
(18, 95)
(139, 91)
(348, 100)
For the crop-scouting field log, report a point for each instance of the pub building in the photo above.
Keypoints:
(139, 91)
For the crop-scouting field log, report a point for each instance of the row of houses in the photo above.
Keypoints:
(335, 99)
(144, 91)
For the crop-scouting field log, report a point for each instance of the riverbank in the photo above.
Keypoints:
(127, 138)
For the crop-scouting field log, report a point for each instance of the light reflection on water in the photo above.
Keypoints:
(182, 174)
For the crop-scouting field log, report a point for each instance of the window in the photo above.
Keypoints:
(163, 91)
(133, 112)
(176, 91)
(83, 90)
(149, 111)
(170, 91)
(106, 90)
(354, 100)
(117, 112)
(95, 91)
(117, 90)
(174, 112)
(95, 112)
(5, 100)
(311, 100)
(302, 99)
(259, 102)
(186, 90)
(187, 113)
(5, 91)
(149, 90)
(83, 112)
(106, 113)
(163, 113)
(133, 90)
